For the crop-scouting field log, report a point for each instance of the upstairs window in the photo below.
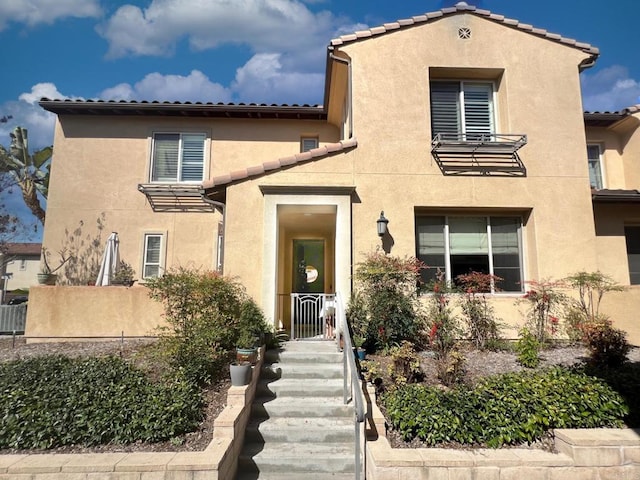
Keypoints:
(462, 110)
(178, 157)
(308, 143)
(595, 166)
(458, 245)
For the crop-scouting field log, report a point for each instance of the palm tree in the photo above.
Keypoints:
(29, 172)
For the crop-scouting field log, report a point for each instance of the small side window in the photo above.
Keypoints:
(594, 157)
(153, 255)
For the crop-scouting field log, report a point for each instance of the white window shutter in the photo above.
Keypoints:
(445, 110)
(478, 108)
(166, 156)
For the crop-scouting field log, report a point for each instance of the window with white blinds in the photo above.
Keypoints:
(462, 108)
(595, 167)
(457, 245)
(153, 255)
(178, 157)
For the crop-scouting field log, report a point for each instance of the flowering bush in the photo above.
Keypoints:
(482, 324)
(444, 329)
(545, 305)
(387, 287)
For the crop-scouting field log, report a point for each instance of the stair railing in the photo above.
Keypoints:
(352, 384)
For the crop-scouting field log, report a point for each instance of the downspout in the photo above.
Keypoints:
(222, 207)
(347, 62)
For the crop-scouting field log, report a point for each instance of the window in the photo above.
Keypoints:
(308, 143)
(153, 255)
(462, 109)
(632, 236)
(459, 244)
(595, 166)
(178, 157)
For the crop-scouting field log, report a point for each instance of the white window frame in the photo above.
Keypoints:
(179, 172)
(463, 127)
(308, 143)
(600, 165)
(490, 253)
(161, 255)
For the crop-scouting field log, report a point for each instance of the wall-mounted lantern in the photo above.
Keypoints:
(382, 225)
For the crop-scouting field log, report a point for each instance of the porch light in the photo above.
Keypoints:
(382, 225)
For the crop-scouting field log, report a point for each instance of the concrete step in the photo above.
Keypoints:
(275, 457)
(270, 407)
(302, 370)
(300, 430)
(294, 476)
(301, 387)
(308, 357)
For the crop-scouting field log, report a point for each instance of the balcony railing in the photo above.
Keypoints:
(479, 153)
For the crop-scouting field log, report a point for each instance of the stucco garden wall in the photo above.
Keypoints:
(91, 312)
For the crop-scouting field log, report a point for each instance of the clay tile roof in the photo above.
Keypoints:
(23, 248)
(281, 163)
(463, 7)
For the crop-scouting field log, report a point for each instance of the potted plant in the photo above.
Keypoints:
(123, 275)
(246, 347)
(358, 341)
(240, 372)
(47, 275)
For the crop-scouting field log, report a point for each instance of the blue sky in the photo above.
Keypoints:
(265, 51)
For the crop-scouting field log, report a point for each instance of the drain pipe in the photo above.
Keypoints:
(347, 62)
(222, 207)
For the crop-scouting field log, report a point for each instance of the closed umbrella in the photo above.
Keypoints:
(110, 261)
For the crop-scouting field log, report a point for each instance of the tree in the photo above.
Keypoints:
(29, 171)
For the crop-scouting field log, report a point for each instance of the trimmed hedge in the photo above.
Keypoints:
(51, 401)
(505, 409)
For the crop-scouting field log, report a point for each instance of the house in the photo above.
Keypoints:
(19, 266)
(464, 127)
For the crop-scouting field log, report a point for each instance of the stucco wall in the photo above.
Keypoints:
(91, 311)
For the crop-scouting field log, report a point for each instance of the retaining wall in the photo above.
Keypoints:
(583, 454)
(218, 461)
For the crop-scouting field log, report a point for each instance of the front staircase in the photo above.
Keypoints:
(300, 427)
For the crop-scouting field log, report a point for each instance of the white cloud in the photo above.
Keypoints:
(609, 89)
(39, 90)
(265, 25)
(262, 80)
(34, 12)
(27, 113)
(155, 86)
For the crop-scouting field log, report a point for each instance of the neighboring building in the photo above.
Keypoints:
(466, 128)
(19, 266)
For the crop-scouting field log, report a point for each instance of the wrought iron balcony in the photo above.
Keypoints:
(479, 153)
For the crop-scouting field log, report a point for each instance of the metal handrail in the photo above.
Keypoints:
(352, 385)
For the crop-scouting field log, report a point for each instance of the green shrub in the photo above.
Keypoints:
(607, 345)
(450, 367)
(206, 314)
(405, 364)
(52, 401)
(482, 325)
(528, 349)
(545, 303)
(387, 286)
(505, 409)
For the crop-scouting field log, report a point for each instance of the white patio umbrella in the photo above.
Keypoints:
(110, 261)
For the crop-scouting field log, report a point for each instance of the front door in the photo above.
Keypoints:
(308, 266)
